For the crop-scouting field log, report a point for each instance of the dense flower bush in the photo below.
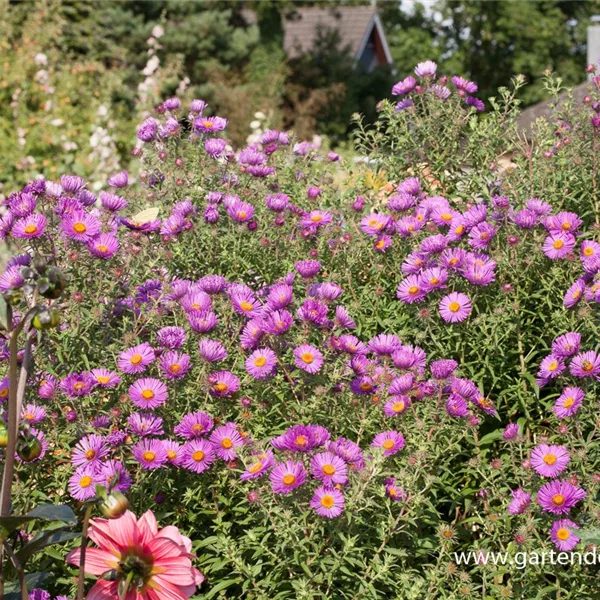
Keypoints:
(328, 377)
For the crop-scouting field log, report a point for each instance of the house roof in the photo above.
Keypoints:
(354, 24)
(548, 108)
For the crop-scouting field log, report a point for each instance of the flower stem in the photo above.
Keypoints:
(84, 541)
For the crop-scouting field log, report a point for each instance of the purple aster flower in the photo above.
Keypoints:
(105, 378)
(104, 246)
(343, 320)
(455, 307)
(520, 502)
(136, 359)
(393, 492)
(114, 476)
(151, 454)
(175, 364)
(261, 463)
(348, 451)
(147, 130)
(481, 235)
(72, 184)
(442, 369)
(374, 224)
(112, 202)
(82, 484)
(456, 406)
(145, 424)
(511, 432)
(439, 91)
(327, 502)
(287, 476)
(396, 405)
(77, 384)
(313, 311)
(549, 461)
(308, 268)
(559, 496)
(90, 450)
(261, 363)
(148, 393)
(476, 103)
(33, 414)
(325, 291)
(464, 85)
(30, 227)
(561, 534)
(574, 294)
(223, 384)
(241, 212)
(301, 438)
(197, 106)
(46, 390)
(197, 455)
(171, 337)
(280, 295)
(203, 322)
(225, 440)
(405, 86)
(11, 279)
(277, 202)
(391, 442)
(567, 344)
(194, 425)
(411, 290)
(80, 226)
(215, 147)
(563, 222)
(276, 323)
(329, 468)
(403, 104)
(212, 350)
(210, 124)
(308, 358)
(558, 244)
(585, 364)
(119, 180)
(569, 402)
(384, 344)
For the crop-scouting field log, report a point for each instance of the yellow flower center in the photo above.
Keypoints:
(388, 444)
(434, 281)
(587, 366)
(149, 456)
(3, 392)
(316, 218)
(550, 459)
(102, 248)
(454, 307)
(289, 479)
(31, 228)
(28, 417)
(379, 244)
(558, 244)
(90, 454)
(147, 394)
(588, 251)
(208, 124)
(255, 468)
(393, 492)
(301, 440)
(327, 501)
(446, 217)
(171, 454)
(198, 455)
(242, 214)
(459, 230)
(80, 227)
(246, 306)
(79, 386)
(563, 534)
(176, 368)
(413, 289)
(566, 226)
(365, 386)
(453, 261)
(260, 361)
(568, 402)
(558, 499)
(197, 428)
(136, 359)
(307, 357)
(103, 379)
(398, 406)
(85, 481)
(227, 443)
(329, 470)
(221, 387)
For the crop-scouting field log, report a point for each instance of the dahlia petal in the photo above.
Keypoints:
(96, 561)
(164, 548)
(176, 570)
(161, 589)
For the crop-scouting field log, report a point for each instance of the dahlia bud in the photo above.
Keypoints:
(114, 505)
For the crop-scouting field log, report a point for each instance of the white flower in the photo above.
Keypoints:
(254, 124)
(102, 110)
(151, 66)
(40, 59)
(260, 115)
(57, 122)
(158, 31)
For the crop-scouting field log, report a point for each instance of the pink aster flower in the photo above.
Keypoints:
(104, 246)
(80, 226)
(426, 69)
(559, 496)
(392, 491)
(411, 290)
(585, 364)
(136, 359)
(558, 245)
(329, 468)
(317, 218)
(136, 550)
(175, 364)
(574, 294)
(33, 414)
(148, 393)
(327, 502)
(549, 461)
(391, 442)
(569, 402)
(308, 358)
(197, 455)
(212, 350)
(194, 425)
(396, 405)
(90, 450)
(567, 344)
(561, 534)
(225, 440)
(520, 502)
(287, 476)
(374, 224)
(455, 307)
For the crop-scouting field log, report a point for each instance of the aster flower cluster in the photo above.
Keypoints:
(428, 82)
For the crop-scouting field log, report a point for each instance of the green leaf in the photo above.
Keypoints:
(43, 539)
(53, 512)
(12, 589)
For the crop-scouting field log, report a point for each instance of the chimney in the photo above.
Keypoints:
(593, 42)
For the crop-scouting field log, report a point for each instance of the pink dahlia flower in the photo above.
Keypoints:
(155, 562)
